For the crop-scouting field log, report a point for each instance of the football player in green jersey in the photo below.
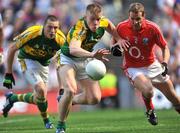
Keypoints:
(36, 46)
(76, 53)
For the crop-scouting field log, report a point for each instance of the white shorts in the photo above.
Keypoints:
(78, 64)
(33, 71)
(153, 72)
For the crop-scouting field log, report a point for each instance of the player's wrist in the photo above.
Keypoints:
(92, 55)
(164, 64)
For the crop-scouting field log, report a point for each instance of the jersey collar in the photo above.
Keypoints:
(85, 22)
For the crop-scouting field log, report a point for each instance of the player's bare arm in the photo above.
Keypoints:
(121, 42)
(76, 50)
(166, 54)
(10, 57)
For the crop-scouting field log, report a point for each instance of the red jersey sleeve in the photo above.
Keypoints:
(118, 28)
(158, 36)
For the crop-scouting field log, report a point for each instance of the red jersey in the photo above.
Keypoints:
(140, 52)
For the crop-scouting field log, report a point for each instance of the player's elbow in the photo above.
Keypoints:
(12, 49)
(72, 50)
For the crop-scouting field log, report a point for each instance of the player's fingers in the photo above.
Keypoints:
(127, 43)
(104, 52)
(125, 46)
(105, 59)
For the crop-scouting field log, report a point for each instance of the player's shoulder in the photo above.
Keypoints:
(60, 34)
(79, 25)
(35, 28)
(104, 21)
(31, 32)
(60, 37)
(152, 25)
(122, 23)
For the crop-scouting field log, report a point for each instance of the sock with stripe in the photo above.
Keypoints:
(27, 97)
(42, 106)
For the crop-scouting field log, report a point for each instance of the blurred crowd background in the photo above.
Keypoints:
(20, 14)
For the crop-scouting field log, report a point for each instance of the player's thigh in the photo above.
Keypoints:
(67, 76)
(142, 83)
(91, 88)
(167, 89)
(33, 77)
(37, 82)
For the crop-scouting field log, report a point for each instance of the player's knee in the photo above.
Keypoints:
(148, 93)
(94, 100)
(69, 93)
(40, 92)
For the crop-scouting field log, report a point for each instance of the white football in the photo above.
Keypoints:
(96, 69)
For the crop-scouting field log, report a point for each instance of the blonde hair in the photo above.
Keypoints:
(94, 8)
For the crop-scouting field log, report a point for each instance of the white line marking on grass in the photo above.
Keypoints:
(12, 121)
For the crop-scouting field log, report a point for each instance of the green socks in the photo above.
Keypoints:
(27, 97)
(61, 125)
(42, 106)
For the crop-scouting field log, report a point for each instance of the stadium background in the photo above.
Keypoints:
(19, 14)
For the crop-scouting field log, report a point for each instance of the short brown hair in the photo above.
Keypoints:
(50, 17)
(94, 8)
(136, 7)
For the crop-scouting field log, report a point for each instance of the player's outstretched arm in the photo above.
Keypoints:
(121, 42)
(9, 79)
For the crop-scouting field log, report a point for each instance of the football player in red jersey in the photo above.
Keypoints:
(140, 64)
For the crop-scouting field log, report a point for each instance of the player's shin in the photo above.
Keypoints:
(177, 108)
(148, 103)
(27, 97)
(42, 106)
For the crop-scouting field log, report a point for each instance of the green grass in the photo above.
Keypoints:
(100, 121)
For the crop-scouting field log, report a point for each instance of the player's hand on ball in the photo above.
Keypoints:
(164, 64)
(8, 80)
(100, 54)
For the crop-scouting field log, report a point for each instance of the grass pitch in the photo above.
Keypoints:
(99, 121)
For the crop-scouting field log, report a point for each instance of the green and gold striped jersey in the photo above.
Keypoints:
(34, 45)
(81, 31)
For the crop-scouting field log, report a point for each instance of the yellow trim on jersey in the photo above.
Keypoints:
(33, 32)
(60, 37)
(27, 35)
(80, 29)
(104, 22)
